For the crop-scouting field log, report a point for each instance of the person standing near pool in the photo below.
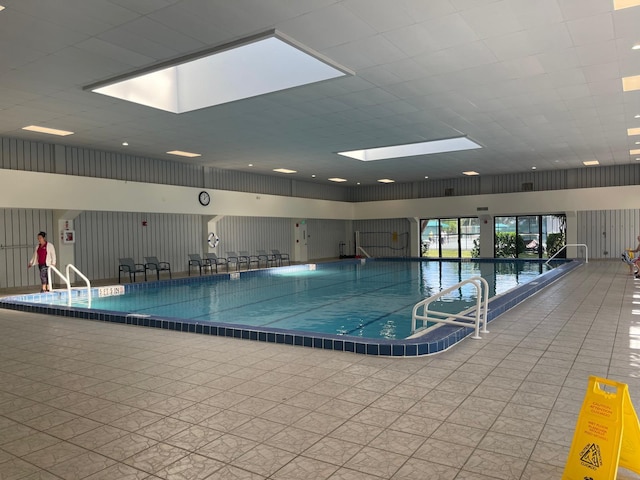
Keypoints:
(45, 257)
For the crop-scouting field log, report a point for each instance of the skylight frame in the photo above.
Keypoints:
(430, 147)
(194, 82)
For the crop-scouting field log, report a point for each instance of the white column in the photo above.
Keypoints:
(486, 236)
(209, 225)
(414, 236)
(64, 238)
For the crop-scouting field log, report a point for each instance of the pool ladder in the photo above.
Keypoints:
(478, 322)
(67, 280)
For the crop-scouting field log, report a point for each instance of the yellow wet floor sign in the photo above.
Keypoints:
(607, 434)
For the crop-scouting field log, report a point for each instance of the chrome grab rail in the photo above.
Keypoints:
(480, 316)
(67, 281)
(364, 251)
(586, 252)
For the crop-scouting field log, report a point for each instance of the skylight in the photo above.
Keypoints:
(262, 64)
(412, 149)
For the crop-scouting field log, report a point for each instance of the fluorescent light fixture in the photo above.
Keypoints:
(125, 144)
(1, 8)
(264, 63)
(412, 149)
(470, 172)
(636, 47)
(635, 151)
(534, 168)
(386, 180)
(633, 131)
(630, 84)
(284, 170)
(426, 176)
(591, 162)
(49, 131)
(180, 153)
(636, 116)
(337, 179)
(620, 4)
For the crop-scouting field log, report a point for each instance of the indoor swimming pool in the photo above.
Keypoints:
(351, 302)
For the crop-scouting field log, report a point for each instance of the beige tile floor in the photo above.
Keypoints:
(81, 399)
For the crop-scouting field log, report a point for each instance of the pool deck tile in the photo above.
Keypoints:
(503, 407)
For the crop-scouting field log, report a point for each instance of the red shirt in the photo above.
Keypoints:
(42, 254)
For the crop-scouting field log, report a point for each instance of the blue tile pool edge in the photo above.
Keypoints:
(436, 341)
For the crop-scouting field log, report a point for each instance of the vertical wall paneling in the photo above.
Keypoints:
(608, 233)
(18, 230)
(378, 239)
(324, 237)
(254, 233)
(102, 238)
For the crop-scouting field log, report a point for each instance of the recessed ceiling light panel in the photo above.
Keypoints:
(386, 180)
(470, 173)
(412, 149)
(48, 131)
(635, 151)
(633, 131)
(180, 153)
(337, 179)
(261, 64)
(284, 170)
(591, 162)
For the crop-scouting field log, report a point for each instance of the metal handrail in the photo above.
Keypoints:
(364, 251)
(481, 311)
(86, 280)
(586, 251)
(66, 280)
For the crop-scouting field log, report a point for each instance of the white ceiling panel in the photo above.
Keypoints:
(535, 82)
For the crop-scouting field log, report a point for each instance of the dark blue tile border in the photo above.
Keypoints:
(432, 342)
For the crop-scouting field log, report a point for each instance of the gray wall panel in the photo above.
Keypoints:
(384, 238)
(607, 233)
(104, 237)
(18, 154)
(18, 230)
(324, 237)
(320, 191)
(254, 233)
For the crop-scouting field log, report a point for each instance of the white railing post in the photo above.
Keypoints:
(459, 319)
(67, 280)
(86, 280)
(586, 251)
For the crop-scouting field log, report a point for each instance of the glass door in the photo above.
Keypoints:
(529, 232)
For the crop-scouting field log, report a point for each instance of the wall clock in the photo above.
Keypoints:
(204, 198)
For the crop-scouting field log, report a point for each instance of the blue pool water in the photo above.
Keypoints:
(370, 300)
